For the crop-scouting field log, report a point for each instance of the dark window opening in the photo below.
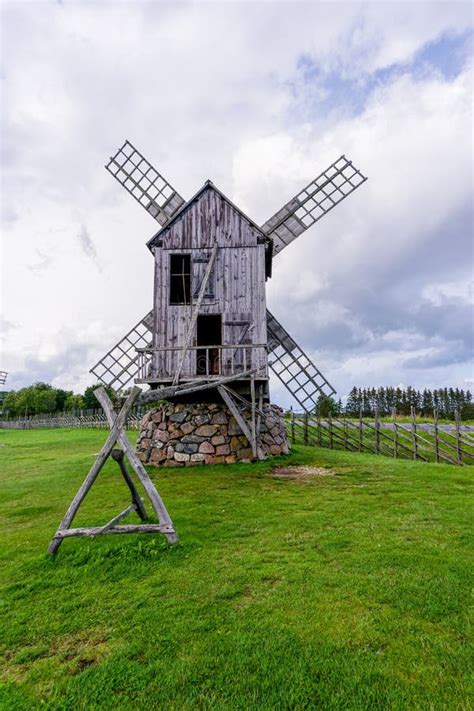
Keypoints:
(209, 333)
(180, 278)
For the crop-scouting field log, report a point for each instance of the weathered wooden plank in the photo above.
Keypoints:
(116, 519)
(125, 528)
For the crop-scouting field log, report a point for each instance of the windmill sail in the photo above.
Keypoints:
(145, 183)
(293, 367)
(119, 367)
(334, 184)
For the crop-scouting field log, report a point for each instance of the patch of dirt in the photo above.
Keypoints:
(300, 472)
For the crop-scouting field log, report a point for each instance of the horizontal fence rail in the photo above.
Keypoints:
(449, 444)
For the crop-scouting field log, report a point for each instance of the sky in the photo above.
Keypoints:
(259, 97)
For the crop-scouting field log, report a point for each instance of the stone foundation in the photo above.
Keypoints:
(177, 434)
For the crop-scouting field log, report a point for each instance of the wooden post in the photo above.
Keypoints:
(225, 395)
(260, 409)
(436, 435)
(395, 434)
(253, 424)
(458, 437)
(119, 457)
(331, 442)
(413, 428)
(377, 431)
(305, 428)
(292, 427)
(320, 439)
(345, 432)
(360, 430)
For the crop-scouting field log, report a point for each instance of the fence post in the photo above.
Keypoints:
(413, 428)
(395, 434)
(330, 431)
(306, 428)
(320, 441)
(360, 429)
(377, 430)
(458, 437)
(345, 432)
(292, 426)
(436, 438)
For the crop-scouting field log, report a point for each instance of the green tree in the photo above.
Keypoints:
(90, 400)
(9, 403)
(326, 405)
(61, 398)
(74, 402)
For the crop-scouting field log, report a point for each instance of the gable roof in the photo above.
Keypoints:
(208, 185)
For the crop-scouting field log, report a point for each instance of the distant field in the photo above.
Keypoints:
(344, 591)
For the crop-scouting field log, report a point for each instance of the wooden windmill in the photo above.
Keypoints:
(209, 319)
(209, 332)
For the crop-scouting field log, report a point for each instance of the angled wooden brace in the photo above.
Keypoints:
(249, 432)
(117, 433)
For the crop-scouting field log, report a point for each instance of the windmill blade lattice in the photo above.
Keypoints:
(145, 183)
(119, 367)
(334, 184)
(293, 367)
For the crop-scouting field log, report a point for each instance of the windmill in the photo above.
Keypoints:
(142, 356)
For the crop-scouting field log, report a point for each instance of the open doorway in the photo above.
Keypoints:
(209, 333)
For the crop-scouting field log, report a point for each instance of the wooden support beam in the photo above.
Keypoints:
(226, 396)
(117, 433)
(96, 467)
(98, 530)
(189, 388)
(119, 457)
(116, 519)
(253, 423)
(197, 306)
(155, 498)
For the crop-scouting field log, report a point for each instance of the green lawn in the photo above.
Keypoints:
(347, 591)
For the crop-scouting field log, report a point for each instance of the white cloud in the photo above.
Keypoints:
(213, 90)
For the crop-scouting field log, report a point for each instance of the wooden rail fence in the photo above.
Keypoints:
(432, 443)
(82, 419)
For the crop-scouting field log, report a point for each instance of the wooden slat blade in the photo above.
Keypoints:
(326, 191)
(294, 368)
(145, 183)
(119, 367)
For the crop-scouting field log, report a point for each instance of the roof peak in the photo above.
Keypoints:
(207, 184)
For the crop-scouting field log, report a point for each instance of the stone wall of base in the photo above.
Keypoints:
(178, 434)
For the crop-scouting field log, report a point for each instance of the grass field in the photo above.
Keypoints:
(345, 591)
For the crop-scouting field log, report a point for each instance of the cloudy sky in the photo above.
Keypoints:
(260, 98)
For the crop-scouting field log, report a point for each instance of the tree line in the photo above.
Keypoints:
(41, 398)
(386, 400)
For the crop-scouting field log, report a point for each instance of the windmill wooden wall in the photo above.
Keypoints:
(236, 287)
